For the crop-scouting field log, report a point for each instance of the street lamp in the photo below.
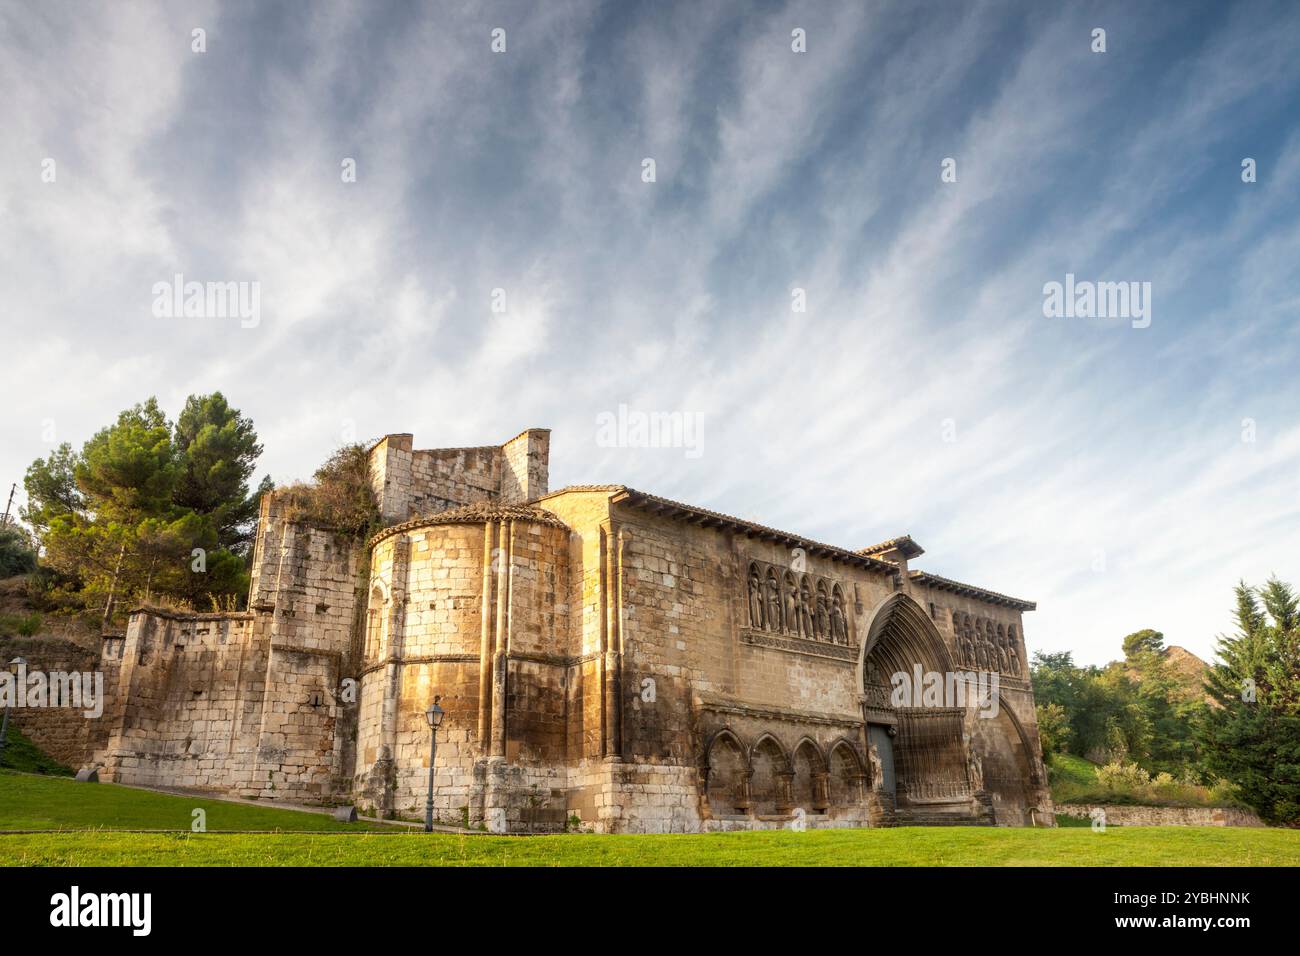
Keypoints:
(434, 716)
(14, 665)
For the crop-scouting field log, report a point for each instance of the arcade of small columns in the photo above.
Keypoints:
(763, 778)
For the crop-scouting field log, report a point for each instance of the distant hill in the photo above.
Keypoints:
(1189, 669)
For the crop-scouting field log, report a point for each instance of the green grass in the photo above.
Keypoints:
(1068, 768)
(24, 756)
(52, 803)
(936, 846)
(94, 814)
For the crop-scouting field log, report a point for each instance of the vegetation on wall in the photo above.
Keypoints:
(340, 496)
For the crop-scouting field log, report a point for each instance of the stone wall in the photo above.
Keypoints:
(249, 702)
(409, 481)
(64, 733)
(1122, 815)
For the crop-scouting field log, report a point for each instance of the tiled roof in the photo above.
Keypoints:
(476, 513)
(566, 489)
(903, 543)
(706, 518)
(970, 590)
(863, 558)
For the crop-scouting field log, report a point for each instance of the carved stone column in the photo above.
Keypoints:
(821, 791)
(857, 788)
(706, 807)
(784, 791)
(743, 802)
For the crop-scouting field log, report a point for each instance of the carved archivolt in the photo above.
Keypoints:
(800, 605)
(986, 645)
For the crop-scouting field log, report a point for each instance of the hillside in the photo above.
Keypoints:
(1188, 669)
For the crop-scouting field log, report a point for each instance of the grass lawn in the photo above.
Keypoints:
(42, 802)
(910, 846)
(30, 802)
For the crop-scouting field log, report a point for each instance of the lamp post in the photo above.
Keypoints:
(434, 716)
(14, 665)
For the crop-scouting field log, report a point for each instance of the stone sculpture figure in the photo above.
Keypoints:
(791, 604)
(806, 609)
(1011, 651)
(839, 623)
(975, 771)
(821, 626)
(775, 606)
(877, 768)
(755, 598)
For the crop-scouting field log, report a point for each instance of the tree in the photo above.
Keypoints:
(1089, 703)
(129, 470)
(148, 512)
(1143, 642)
(1053, 729)
(1169, 707)
(16, 553)
(1135, 709)
(51, 487)
(1252, 738)
(218, 452)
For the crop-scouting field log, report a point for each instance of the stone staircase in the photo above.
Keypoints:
(959, 812)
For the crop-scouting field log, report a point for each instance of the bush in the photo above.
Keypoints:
(17, 556)
(49, 590)
(340, 497)
(23, 625)
(1124, 778)
(1127, 783)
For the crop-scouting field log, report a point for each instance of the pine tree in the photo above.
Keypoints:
(1252, 738)
(149, 512)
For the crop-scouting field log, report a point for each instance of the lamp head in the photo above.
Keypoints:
(434, 714)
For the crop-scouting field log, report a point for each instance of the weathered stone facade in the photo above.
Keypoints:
(601, 653)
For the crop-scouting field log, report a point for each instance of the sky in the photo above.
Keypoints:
(834, 276)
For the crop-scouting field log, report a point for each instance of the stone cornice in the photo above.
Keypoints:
(721, 703)
(843, 653)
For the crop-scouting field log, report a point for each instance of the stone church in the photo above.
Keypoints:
(606, 658)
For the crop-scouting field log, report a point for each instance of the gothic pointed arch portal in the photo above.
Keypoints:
(929, 751)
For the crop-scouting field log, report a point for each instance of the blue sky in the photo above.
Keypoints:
(1097, 468)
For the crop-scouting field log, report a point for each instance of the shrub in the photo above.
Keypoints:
(17, 556)
(24, 625)
(340, 497)
(1124, 778)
